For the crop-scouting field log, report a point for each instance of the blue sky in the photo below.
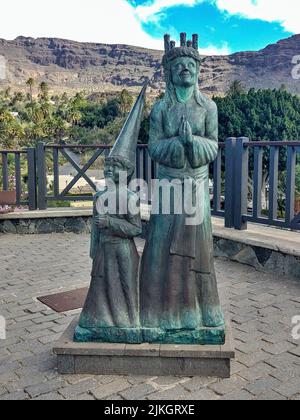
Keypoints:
(216, 27)
(224, 26)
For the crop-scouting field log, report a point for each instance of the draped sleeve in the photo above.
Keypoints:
(126, 228)
(128, 225)
(169, 152)
(204, 150)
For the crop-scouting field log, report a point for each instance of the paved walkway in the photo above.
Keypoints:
(261, 308)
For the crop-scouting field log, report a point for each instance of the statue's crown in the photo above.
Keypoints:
(186, 49)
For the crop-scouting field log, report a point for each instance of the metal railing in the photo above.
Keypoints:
(244, 179)
(23, 181)
(145, 169)
(246, 165)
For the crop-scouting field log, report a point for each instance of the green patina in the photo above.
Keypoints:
(178, 287)
(177, 301)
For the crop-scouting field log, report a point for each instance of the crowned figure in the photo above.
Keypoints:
(178, 287)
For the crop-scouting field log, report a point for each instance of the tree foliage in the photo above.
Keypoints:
(82, 118)
(263, 115)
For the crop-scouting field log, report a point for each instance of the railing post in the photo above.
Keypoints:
(257, 182)
(42, 177)
(217, 182)
(18, 179)
(5, 172)
(290, 186)
(31, 161)
(241, 174)
(55, 172)
(229, 181)
(273, 196)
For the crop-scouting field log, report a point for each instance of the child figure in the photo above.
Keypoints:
(111, 311)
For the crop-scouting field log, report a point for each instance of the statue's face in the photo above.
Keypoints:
(184, 72)
(112, 170)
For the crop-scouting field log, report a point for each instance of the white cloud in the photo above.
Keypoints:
(103, 21)
(154, 12)
(213, 50)
(150, 10)
(286, 12)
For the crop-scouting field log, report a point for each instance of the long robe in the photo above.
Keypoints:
(113, 300)
(178, 286)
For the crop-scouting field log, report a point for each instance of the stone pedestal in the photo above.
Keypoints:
(144, 359)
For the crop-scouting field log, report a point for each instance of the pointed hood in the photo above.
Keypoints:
(125, 146)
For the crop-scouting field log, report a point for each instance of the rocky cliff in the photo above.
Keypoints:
(68, 65)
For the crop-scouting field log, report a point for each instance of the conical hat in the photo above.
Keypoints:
(125, 146)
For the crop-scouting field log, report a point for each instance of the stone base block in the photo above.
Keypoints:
(143, 359)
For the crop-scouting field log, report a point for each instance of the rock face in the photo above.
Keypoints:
(68, 65)
(268, 68)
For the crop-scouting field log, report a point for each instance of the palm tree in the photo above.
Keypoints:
(44, 89)
(30, 83)
(236, 88)
(126, 101)
(73, 115)
(7, 93)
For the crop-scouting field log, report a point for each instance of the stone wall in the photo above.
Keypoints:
(46, 225)
(262, 259)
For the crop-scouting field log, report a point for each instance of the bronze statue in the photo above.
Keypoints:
(177, 300)
(178, 287)
(111, 311)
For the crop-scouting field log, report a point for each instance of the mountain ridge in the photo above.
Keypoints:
(71, 66)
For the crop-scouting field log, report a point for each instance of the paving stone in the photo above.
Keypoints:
(177, 393)
(77, 389)
(138, 392)
(134, 380)
(114, 397)
(295, 351)
(289, 389)
(52, 396)
(83, 397)
(262, 385)
(286, 374)
(195, 384)
(283, 361)
(229, 385)
(253, 358)
(239, 396)
(256, 372)
(44, 388)
(280, 348)
(236, 367)
(105, 390)
(23, 381)
(169, 380)
(203, 395)
(270, 396)
(262, 307)
(2, 390)
(15, 396)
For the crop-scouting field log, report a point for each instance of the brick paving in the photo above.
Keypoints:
(260, 306)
